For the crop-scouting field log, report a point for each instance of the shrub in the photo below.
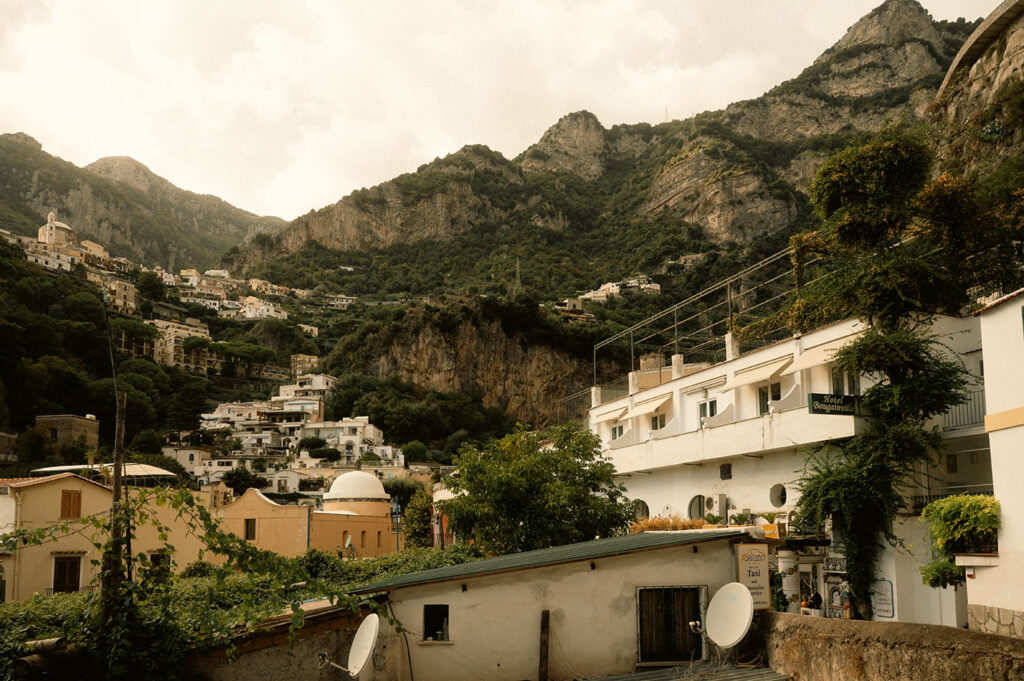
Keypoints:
(958, 524)
(660, 523)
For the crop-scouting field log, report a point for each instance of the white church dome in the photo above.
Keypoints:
(356, 486)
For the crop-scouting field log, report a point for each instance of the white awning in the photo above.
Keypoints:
(648, 406)
(818, 355)
(705, 385)
(762, 373)
(613, 415)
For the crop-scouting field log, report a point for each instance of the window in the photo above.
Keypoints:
(767, 393)
(378, 540)
(952, 464)
(707, 409)
(777, 495)
(657, 421)
(696, 507)
(642, 511)
(3, 586)
(66, 573)
(845, 382)
(362, 539)
(617, 432)
(250, 529)
(70, 504)
(435, 623)
(725, 471)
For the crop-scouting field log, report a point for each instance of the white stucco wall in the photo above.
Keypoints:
(1002, 329)
(494, 625)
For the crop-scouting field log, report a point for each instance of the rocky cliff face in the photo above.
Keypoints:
(714, 170)
(120, 203)
(981, 110)
(527, 382)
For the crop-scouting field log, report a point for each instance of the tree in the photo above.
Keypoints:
(241, 479)
(895, 269)
(310, 443)
(415, 451)
(418, 530)
(150, 286)
(329, 453)
(147, 442)
(401, 489)
(517, 495)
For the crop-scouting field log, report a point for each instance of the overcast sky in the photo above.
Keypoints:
(282, 107)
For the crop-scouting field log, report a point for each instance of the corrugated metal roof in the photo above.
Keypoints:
(599, 548)
(700, 672)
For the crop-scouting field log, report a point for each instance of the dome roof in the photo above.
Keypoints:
(356, 485)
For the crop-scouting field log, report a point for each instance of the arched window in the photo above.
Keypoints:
(362, 539)
(378, 540)
(643, 511)
(777, 495)
(344, 538)
(696, 508)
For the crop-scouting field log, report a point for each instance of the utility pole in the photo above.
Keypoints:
(113, 552)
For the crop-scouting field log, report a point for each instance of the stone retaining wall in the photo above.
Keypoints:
(818, 649)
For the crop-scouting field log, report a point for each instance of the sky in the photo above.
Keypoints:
(284, 107)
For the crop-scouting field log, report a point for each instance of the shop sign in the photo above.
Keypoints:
(753, 573)
(843, 405)
(881, 599)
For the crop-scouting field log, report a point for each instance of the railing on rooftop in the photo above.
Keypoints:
(695, 328)
(969, 414)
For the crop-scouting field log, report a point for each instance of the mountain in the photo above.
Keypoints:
(121, 204)
(735, 175)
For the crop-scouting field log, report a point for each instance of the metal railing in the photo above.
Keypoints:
(89, 588)
(614, 390)
(966, 415)
(919, 501)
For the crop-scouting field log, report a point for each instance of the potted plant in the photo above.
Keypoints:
(741, 519)
(963, 525)
(712, 520)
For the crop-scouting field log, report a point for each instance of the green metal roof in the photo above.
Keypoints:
(599, 548)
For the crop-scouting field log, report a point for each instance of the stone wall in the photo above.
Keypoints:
(992, 620)
(818, 649)
(274, 656)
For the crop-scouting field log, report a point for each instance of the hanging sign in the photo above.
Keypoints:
(753, 573)
(843, 405)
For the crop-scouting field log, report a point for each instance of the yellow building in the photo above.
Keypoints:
(356, 519)
(283, 529)
(66, 562)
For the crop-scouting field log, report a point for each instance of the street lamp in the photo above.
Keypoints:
(396, 518)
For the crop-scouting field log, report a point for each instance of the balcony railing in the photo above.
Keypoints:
(967, 415)
(919, 501)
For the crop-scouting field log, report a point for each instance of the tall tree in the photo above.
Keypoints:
(522, 492)
(895, 267)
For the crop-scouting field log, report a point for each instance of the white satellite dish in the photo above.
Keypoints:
(729, 615)
(362, 647)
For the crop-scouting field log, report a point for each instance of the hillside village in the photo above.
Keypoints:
(788, 452)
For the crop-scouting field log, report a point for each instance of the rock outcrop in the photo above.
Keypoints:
(574, 145)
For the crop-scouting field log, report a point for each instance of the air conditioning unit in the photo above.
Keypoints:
(717, 504)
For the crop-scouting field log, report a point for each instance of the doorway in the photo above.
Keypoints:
(664, 615)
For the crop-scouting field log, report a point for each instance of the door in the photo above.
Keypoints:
(66, 570)
(665, 614)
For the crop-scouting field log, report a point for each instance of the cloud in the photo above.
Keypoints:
(284, 107)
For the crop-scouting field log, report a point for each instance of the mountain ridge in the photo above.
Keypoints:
(120, 203)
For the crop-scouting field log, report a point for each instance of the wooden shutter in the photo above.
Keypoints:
(65, 573)
(70, 504)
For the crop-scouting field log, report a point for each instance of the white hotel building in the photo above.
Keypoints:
(732, 437)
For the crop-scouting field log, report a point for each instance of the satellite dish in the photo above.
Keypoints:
(362, 647)
(729, 615)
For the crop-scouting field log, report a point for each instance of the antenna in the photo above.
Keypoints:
(362, 646)
(728, 617)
